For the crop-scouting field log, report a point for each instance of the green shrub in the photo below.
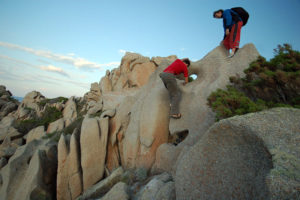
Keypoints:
(29, 109)
(191, 79)
(98, 114)
(231, 102)
(51, 114)
(55, 136)
(75, 124)
(24, 126)
(79, 107)
(51, 101)
(267, 84)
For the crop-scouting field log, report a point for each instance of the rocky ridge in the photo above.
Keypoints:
(117, 142)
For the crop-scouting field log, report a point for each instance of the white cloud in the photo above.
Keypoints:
(182, 49)
(51, 68)
(69, 59)
(16, 61)
(122, 51)
(71, 54)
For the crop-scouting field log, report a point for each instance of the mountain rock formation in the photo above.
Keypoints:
(118, 141)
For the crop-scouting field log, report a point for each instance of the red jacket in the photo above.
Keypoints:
(177, 67)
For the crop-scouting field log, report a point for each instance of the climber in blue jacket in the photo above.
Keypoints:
(232, 24)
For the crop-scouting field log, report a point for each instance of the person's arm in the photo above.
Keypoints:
(186, 80)
(227, 20)
(227, 31)
(186, 75)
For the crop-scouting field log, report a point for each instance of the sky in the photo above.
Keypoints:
(60, 47)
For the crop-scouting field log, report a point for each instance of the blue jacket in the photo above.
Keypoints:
(229, 18)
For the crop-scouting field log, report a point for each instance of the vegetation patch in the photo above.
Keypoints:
(75, 124)
(51, 114)
(79, 108)
(51, 101)
(267, 84)
(55, 136)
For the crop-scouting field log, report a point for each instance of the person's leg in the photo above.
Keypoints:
(235, 37)
(161, 75)
(226, 42)
(174, 92)
(175, 100)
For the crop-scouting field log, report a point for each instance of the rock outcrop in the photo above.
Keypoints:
(69, 174)
(118, 141)
(241, 158)
(103, 186)
(133, 73)
(149, 124)
(6, 103)
(118, 191)
(70, 111)
(160, 187)
(30, 102)
(35, 134)
(30, 172)
(93, 143)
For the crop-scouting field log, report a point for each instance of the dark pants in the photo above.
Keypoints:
(174, 93)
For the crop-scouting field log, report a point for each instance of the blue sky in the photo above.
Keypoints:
(60, 47)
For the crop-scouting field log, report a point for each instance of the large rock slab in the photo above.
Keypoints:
(70, 111)
(7, 105)
(30, 172)
(118, 126)
(166, 157)
(241, 158)
(55, 126)
(213, 72)
(94, 94)
(140, 74)
(150, 125)
(7, 108)
(105, 83)
(69, 175)
(7, 121)
(159, 187)
(31, 101)
(93, 145)
(36, 134)
(119, 191)
(10, 132)
(103, 186)
(7, 148)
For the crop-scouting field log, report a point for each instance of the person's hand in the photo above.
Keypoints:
(227, 31)
(222, 43)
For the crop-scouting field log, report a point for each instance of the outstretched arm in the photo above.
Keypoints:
(186, 80)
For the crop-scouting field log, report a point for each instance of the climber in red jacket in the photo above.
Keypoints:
(168, 78)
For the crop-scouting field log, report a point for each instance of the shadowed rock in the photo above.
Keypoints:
(30, 172)
(69, 174)
(234, 158)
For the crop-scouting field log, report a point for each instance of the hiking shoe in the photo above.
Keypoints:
(231, 55)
